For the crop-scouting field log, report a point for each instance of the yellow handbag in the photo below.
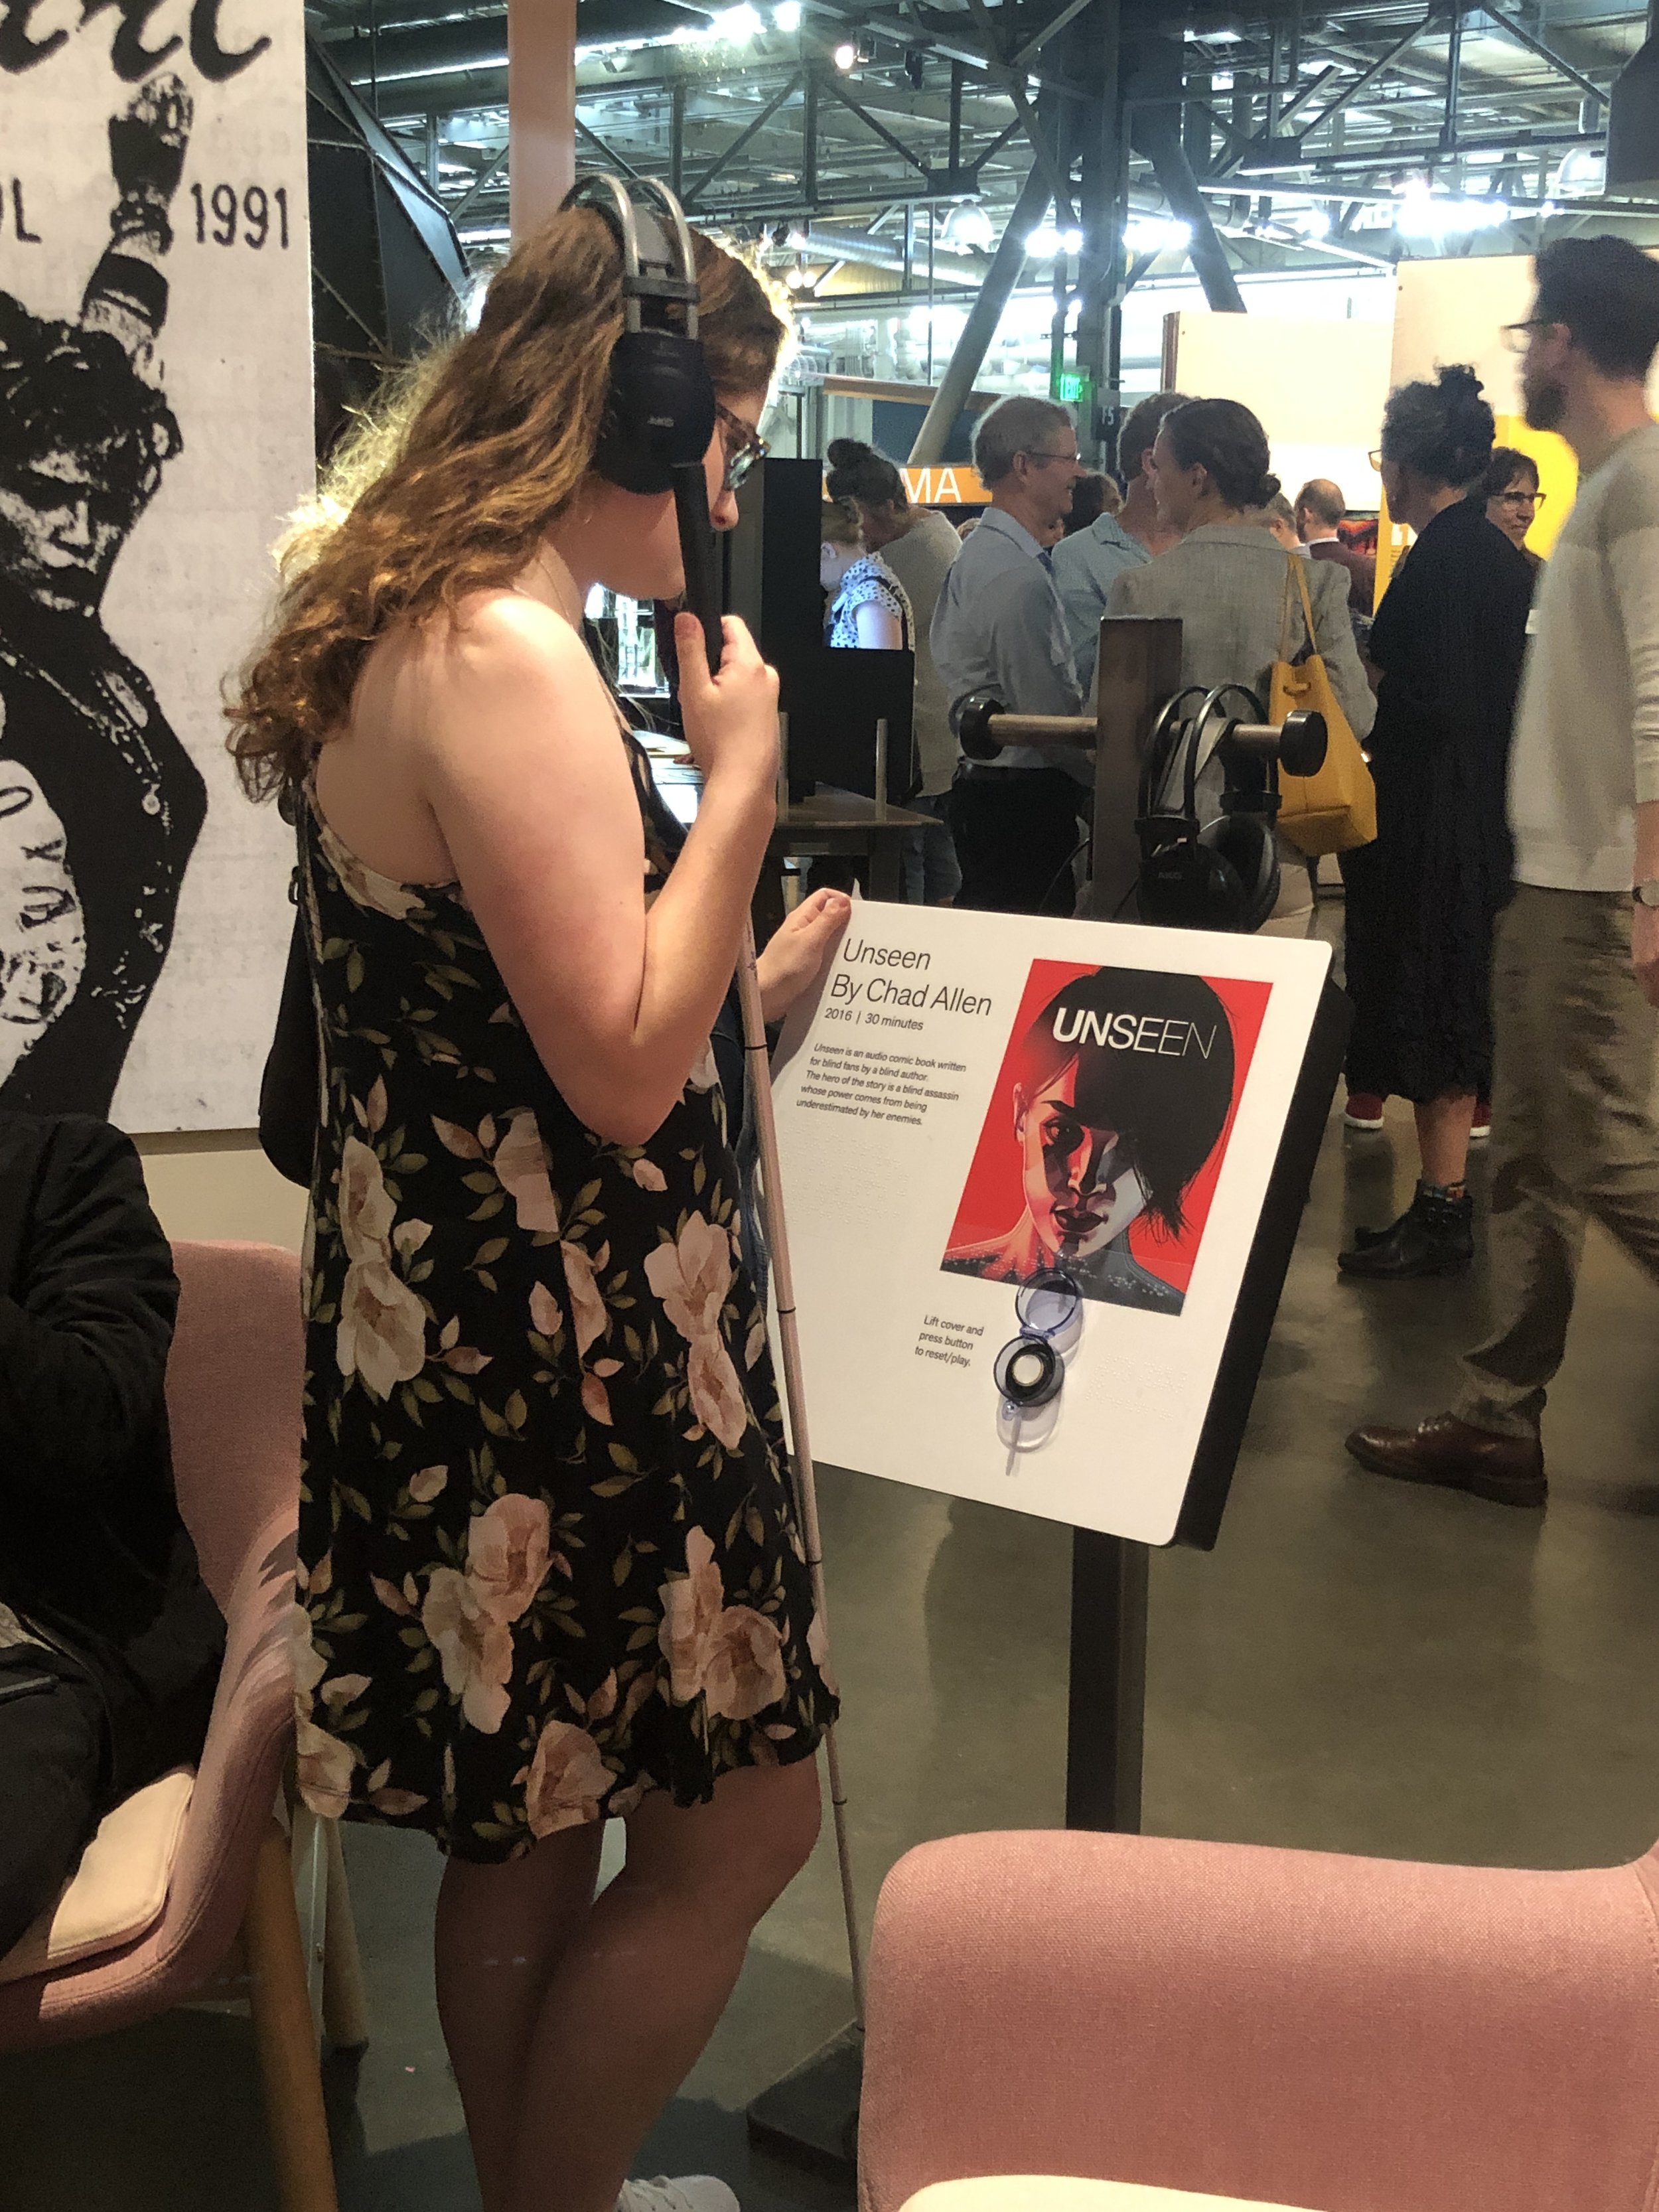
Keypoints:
(1334, 809)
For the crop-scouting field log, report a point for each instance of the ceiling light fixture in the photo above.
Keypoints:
(1156, 234)
(786, 16)
(846, 55)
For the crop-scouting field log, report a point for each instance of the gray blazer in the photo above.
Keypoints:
(1226, 582)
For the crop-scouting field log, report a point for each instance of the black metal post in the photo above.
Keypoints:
(1106, 1705)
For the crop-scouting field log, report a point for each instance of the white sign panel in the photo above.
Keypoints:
(1040, 1199)
(156, 427)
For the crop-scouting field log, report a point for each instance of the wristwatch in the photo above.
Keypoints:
(1646, 893)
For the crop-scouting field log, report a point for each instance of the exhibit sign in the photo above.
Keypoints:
(155, 429)
(1041, 1179)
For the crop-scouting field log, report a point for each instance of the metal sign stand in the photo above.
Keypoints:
(812, 2113)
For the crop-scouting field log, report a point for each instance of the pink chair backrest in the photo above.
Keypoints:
(233, 1390)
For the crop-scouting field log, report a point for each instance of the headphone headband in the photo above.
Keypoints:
(659, 408)
(658, 259)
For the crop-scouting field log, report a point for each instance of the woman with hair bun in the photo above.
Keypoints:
(1226, 580)
(918, 544)
(1422, 900)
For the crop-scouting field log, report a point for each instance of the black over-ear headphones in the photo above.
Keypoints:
(659, 410)
(1225, 874)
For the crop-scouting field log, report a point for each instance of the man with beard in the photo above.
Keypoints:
(83, 438)
(1576, 962)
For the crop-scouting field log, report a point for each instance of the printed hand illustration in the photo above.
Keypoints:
(127, 294)
(147, 158)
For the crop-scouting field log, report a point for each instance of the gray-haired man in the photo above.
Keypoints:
(999, 627)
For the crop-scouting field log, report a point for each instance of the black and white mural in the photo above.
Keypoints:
(156, 426)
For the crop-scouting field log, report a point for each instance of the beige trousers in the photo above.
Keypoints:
(1573, 1135)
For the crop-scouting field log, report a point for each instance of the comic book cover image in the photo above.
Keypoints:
(1104, 1138)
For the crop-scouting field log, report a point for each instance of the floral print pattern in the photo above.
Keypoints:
(548, 1553)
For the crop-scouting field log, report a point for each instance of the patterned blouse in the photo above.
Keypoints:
(870, 583)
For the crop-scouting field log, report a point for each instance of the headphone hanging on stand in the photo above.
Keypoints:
(1220, 875)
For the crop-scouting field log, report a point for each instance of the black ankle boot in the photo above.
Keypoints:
(1435, 1235)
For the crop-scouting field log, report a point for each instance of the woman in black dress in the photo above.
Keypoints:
(549, 1567)
(1448, 638)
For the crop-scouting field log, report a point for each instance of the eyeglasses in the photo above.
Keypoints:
(1036, 453)
(749, 446)
(1375, 457)
(1517, 337)
(1520, 498)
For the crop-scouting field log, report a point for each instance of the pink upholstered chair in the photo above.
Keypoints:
(1353, 2035)
(233, 1385)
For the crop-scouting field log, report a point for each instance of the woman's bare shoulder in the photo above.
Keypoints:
(503, 633)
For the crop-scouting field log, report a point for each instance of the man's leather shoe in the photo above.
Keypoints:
(1508, 1470)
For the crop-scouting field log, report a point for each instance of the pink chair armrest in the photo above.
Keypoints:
(248, 1738)
(1352, 2035)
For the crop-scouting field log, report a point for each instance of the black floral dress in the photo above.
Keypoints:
(550, 1559)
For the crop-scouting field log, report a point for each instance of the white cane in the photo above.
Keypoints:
(758, 1062)
(702, 598)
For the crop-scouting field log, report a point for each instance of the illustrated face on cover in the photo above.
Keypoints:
(1117, 1088)
(1080, 1190)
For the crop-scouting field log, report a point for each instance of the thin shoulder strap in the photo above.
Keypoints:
(1299, 569)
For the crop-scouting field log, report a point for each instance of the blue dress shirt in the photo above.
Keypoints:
(1086, 566)
(1000, 626)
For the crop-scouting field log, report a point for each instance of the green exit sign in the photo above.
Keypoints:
(1076, 389)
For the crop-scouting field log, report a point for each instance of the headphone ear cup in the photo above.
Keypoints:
(659, 410)
(1184, 884)
(1243, 845)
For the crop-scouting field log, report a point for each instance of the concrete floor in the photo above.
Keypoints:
(1358, 1666)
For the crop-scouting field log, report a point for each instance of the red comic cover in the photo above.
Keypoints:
(1103, 1141)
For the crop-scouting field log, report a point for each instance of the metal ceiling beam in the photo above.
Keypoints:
(756, 124)
(1369, 77)
(980, 327)
(1038, 40)
(1545, 52)
(607, 153)
(1058, 183)
(833, 85)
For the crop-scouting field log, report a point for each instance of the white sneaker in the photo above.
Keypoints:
(685, 2193)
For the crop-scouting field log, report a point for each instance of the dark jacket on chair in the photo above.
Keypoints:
(93, 1556)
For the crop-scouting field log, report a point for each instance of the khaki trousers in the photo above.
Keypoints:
(1573, 1135)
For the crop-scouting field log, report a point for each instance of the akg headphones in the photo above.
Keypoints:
(1223, 874)
(659, 410)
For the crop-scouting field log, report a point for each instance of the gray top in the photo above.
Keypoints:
(1226, 582)
(1086, 566)
(1586, 751)
(921, 560)
(999, 627)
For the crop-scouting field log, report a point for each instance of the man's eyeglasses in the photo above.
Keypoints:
(1036, 453)
(1519, 499)
(1517, 337)
(745, 446)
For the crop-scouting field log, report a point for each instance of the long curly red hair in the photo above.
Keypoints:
(447, 488)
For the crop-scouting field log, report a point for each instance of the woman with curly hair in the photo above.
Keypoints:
(550, 1571)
